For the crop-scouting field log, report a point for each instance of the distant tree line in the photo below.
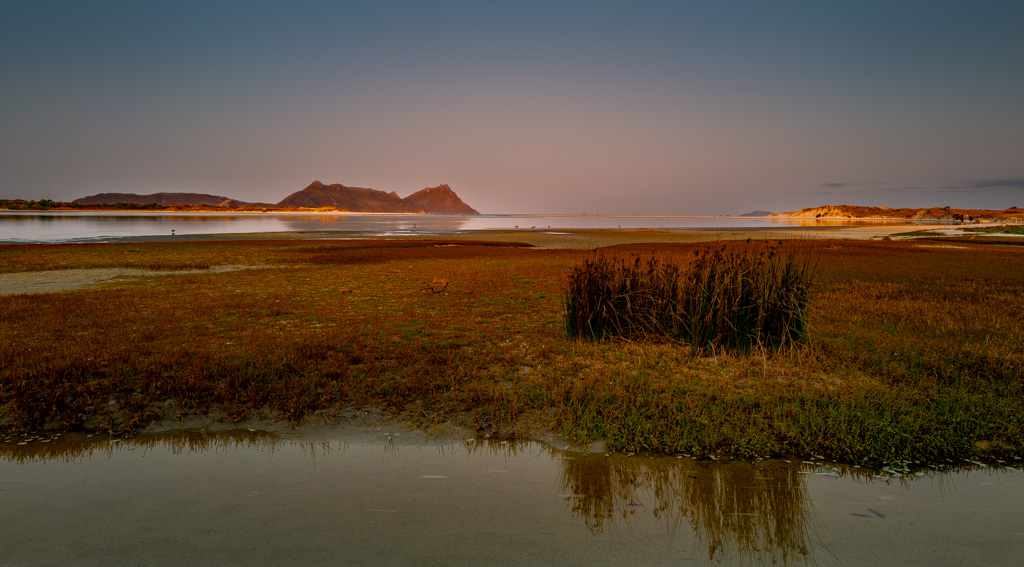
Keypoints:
(47, 204)
(40, 205)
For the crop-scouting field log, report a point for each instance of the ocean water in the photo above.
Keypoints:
(41, 227)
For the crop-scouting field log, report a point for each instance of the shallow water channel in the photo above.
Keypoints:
(373, 496)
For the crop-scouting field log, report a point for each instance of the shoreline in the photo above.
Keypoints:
(582, 238)
(776, 217)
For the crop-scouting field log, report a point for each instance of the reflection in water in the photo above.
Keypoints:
(759, 512)
(383, 225)
(75, 227)
(751, 510)
(72, 447)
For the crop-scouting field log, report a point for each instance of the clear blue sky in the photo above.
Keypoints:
(560, 107)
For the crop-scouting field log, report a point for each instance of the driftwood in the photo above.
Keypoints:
(438, 285)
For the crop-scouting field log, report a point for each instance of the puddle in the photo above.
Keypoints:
(366, 496)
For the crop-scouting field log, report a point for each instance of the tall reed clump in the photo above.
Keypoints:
(726, 298)
(610, 297)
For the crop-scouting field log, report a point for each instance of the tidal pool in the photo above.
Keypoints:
(386, 496)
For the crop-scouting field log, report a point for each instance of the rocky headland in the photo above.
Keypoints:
(933, 213)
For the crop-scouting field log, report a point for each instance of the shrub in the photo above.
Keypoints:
(726, 298)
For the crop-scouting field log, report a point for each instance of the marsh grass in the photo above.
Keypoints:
(912, 352)
(725, 298)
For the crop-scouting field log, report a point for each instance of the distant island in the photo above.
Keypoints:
(440, 200)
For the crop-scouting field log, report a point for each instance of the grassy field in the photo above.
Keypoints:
(913, 351)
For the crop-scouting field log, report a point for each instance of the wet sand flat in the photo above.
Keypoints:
(597, 238)
(53, 281)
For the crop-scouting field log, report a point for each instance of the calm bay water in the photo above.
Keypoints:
(26, 227)
(385, 497)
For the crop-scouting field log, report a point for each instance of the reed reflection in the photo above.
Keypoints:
(72, 447)
(755, 510)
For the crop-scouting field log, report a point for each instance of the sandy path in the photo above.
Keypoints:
(53, 281)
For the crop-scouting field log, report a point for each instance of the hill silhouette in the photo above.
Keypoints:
(163, 199)
(439, 200)
(337, 196)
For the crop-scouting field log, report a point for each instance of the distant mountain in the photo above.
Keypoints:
(434, 200)
(440, 200)
(163, 199)
(355, 199)
(757, 214)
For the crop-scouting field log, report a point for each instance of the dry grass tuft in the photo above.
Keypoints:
(725, 298)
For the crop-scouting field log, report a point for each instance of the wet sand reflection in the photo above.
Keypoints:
(755, 510)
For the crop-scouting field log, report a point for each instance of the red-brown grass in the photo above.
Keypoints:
(913, 351)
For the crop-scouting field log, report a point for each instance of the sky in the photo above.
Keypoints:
(635, 108)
